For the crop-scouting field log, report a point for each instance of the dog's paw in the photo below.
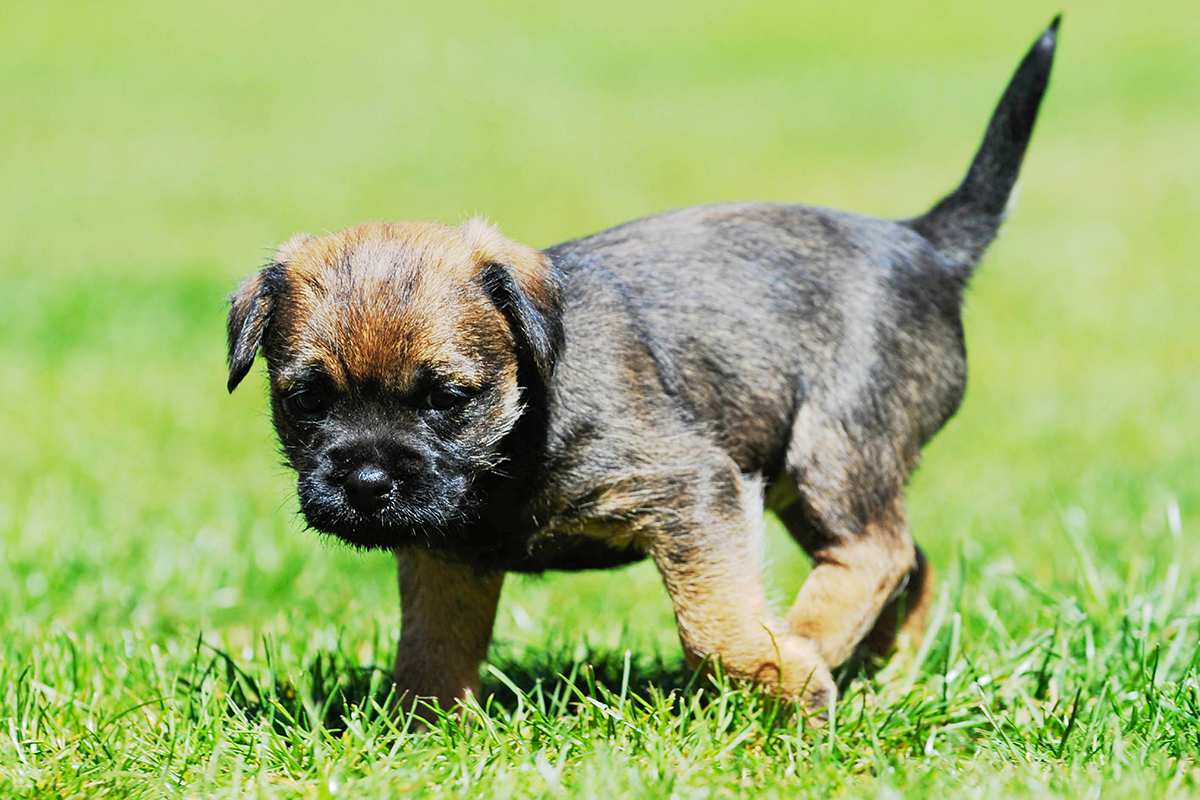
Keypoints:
(805, 677)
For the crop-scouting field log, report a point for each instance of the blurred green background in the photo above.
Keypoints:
(152, 154)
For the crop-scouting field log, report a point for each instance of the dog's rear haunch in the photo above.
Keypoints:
(481, 407)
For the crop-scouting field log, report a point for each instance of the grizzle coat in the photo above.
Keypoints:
(480, 407)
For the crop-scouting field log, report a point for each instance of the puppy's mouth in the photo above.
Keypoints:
(405, 516)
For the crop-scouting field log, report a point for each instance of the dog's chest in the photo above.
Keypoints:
(568, 541)
(576, 549)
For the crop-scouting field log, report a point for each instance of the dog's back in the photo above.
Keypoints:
(747, 319)
(743, 313)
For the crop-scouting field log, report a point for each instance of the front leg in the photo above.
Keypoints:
(710, 558)
(447, 612)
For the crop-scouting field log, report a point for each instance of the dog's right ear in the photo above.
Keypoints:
(250, 309)
(251, 306)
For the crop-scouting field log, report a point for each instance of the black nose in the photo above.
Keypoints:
(367, 488)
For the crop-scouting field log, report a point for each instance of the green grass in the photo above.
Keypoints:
(169, 629)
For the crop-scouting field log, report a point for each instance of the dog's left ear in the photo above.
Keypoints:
(522, 283)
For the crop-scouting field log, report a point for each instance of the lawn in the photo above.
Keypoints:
(169, 628)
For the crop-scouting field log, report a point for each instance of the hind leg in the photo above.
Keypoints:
(857, 578)
(868, 585)
(901, 624)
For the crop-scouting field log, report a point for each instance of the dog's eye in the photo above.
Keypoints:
(443, 398)
(309, 402)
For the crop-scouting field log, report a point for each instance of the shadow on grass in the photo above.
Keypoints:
(334, 688)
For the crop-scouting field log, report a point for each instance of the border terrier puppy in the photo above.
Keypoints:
(481, 407)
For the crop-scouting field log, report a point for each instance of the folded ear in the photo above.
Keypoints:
(522, 283)
(249, 311)
(534, 317)
(251, 306)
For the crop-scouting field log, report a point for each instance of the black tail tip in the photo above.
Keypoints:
(1043, 48)
(1051, 33)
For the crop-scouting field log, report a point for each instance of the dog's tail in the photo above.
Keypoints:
(965, 222)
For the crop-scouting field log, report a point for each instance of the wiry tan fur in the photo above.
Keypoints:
(722, 612)
(376, 301)
(447, 613)
(853, 578)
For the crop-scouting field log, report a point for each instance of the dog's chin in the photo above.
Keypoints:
(367, 535)
(398, 524)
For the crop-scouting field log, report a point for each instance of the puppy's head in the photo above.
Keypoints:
(400, 358)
